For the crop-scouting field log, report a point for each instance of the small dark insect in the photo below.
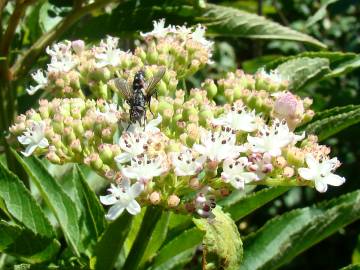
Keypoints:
(140, 95)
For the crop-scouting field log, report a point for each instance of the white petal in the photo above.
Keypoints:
(320, 186)
(122, 158)
(33, 89)
(108, 199)
(200, 149)
(306, 173)
(334, 180)
(24, 139)
(115, 211)
(29, 150)
(129, 173)
(136, 189)
(133, 208)
(311, 162)
(43, 143)
(275, 152)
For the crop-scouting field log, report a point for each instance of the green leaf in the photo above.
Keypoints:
(286, 236)
(226, 21)
(253, 201)
(22, 206)
(320, 14)
(148, 224)
(25, 244)
(157, 237)
(222, 243)
(301, 71)
(179, 250)
(356, 253)
(330, 122)
(351, 267)
(92, 221)
(344, 67)
(108, 247)
(57, 200)
(335, 58)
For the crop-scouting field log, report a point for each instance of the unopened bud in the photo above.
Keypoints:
(173, 201)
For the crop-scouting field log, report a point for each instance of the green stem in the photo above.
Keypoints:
(151, 217)
(283, 182)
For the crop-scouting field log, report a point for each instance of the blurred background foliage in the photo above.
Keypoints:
(333, 22)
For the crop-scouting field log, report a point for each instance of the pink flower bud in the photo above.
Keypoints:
(78, 46)
(287, 106)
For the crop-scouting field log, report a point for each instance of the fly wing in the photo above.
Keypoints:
(150, 89)
(123, 87)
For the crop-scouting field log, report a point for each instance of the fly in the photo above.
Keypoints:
(140, 94)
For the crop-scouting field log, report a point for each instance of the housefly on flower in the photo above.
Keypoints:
(139, 95)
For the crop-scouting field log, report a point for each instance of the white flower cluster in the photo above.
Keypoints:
(197, 34)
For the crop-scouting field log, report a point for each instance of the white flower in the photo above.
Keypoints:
(186, 163)
(40, 79)
(34, 137)
(144, 168)
(218, 146)
(199, 36)
(183, 31)
(133, 144)
(62, 59)
(159, 29)
(110, 55)
(321, 172)
(239, 120)
(273, 75)
(234, 172)
(110, 113)
(260, 164)
(150, 127)
(122, 197)
(58, 50)
(273, 139)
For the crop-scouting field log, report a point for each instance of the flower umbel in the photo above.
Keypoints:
(122, 197)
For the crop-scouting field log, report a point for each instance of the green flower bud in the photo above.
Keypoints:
(210, 87)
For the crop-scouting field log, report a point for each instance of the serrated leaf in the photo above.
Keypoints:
(330, 122)
(22, 206)
(92, 220)
(253, 201)
(301, 71)
(108, 247)
(226, 21)
(178, 250)
(335, 58)
(57, 200)
(25, 244)
(286, 236)
(222, 243)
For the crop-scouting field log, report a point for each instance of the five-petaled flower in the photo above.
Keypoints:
(235, 172)
(133, 144)
(321, 172)
(34, 137)
(144, 168)
(122, 197)
(272, 139)
(186, 163)
(239, 119)
(219, 145)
